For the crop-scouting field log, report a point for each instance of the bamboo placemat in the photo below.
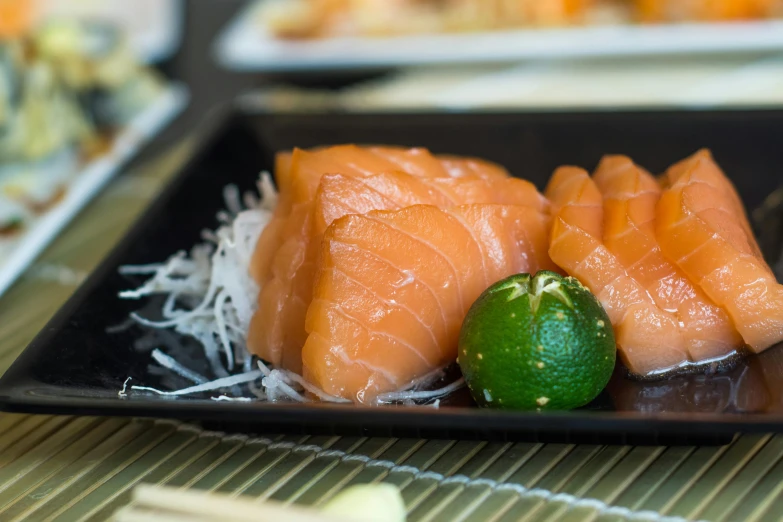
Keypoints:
(81, 468)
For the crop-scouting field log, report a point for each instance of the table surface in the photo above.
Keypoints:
(83, 468)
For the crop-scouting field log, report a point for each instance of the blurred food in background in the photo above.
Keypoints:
(15, 16)
(301, 19)
(705, 10)
(151, 27)
(664, 82)
(66, 88)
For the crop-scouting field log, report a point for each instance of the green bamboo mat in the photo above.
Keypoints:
(83, 468)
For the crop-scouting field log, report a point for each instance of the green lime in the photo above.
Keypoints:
(535, 343)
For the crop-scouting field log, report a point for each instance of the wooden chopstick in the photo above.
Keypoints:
(162, 504)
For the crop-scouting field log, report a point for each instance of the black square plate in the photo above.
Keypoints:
(75, 366)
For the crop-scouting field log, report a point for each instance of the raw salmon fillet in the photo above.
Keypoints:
(703, 229)
(297, 179)
(278, 329)
(393, 287)
(630, 197)
(280, 249)
(271, 235)
(339, 195)
(703, 169)
(416, 161)
(458, 167)
(298, 174)
(648, 338)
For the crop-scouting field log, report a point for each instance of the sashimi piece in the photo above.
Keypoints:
(339, 195)
(701, 230)
(270, 238)
(416, 161)
(277, 331)
(459, 167)
(283, 160)
(420, 162)
(501, 190)
(309, 167)
(299, 174)
(703, 169)
(648, 339)
(630, 196)
(281, 248)
(269, 328)
(280, 263)
(393, 287)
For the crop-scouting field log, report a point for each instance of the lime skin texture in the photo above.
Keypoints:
(540, 342)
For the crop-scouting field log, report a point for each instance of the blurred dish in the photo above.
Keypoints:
(74, 104)
(15, 16)
(329, 18)
(656, 82)
(153, 27)
(333, 18)
(705, 10)
(274, 35)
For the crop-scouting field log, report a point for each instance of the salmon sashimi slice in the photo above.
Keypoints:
(279, 252)
(459, 167)
(270, 238)
(298, 183)
(283, 160)
(393, 287)
(299, 173)
(277, 331)
(416, 161)
(703, 169)
(309, 167)
(630, 197)
(420, 162)
(339, 195)
(701, 229)
(648, 338)
(269, 328)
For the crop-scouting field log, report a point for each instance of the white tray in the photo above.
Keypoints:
(153, 27)
(88, 182)
(245, 45)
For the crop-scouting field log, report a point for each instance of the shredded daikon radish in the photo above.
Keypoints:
(413, 395)
(280, 383)
(215, 278)
(226, 398)
(170, 363)
(217, 384)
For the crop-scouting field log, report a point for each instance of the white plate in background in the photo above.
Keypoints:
(245, 45)
(84, 185)
(153, 27)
